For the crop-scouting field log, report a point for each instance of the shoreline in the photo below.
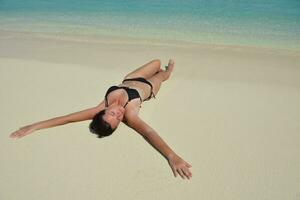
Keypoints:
(125, 40)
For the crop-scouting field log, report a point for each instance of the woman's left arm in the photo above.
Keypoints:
(178, 165)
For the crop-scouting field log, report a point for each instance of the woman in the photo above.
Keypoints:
(122, 104)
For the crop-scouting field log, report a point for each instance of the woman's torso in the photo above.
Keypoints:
(143, 89)
(117, 93)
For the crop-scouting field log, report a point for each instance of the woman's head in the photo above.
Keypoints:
(106, 121)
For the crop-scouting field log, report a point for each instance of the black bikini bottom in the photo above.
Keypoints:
(143, 80)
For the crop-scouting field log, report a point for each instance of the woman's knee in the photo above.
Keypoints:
(156, 62)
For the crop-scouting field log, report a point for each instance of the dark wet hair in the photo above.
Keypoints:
(100, 127)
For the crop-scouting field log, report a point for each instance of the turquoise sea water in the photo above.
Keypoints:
(268, 23)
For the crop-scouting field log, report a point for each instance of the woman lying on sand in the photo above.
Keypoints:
(122, 104)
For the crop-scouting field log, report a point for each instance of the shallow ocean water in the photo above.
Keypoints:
(268, 23)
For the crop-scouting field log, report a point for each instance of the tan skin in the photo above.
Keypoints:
(116, 113)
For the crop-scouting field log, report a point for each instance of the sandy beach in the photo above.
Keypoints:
(232, 112)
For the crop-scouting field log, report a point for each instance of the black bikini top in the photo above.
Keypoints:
(132, 94)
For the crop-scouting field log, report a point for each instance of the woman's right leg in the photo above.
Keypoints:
(146, 71)
(160, 77)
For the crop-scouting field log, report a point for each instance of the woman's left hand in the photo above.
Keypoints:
(179, 166)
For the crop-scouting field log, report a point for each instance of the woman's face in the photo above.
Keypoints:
(114, 115)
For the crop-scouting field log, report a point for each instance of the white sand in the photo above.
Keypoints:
(232, 112)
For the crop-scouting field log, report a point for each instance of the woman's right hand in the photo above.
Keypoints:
(22, 132)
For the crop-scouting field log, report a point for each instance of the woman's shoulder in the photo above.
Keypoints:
(131, 115)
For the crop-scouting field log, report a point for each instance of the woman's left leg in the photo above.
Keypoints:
(146, 71)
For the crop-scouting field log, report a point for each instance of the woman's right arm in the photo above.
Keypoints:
(57, 121)
(177, 164)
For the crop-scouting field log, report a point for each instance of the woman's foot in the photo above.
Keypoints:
(170, 66)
